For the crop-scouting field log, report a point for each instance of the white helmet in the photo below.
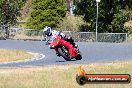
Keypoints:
(47, 31)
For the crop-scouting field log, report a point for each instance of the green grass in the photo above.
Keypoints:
(61, 76)
(13, 55)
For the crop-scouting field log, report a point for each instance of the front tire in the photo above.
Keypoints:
(63, 53)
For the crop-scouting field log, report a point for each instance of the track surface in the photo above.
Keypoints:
(92, 53)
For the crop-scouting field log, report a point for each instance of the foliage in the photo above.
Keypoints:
(9, 11)
(1, 1)
(128, 26)
(118, 21)
(46, 12)
(112, 14)
(72, 23)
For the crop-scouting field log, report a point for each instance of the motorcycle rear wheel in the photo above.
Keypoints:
(79, 56)
(63, 53)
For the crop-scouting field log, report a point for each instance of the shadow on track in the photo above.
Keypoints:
(66, 61)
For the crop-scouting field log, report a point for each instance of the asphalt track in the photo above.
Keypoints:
(92, 53)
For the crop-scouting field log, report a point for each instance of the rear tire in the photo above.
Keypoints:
(61, 52)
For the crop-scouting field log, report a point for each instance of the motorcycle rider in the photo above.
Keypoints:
(52, 34)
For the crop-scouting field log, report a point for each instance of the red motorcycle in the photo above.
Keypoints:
(65, 49)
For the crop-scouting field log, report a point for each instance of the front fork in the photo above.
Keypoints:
(57, 53)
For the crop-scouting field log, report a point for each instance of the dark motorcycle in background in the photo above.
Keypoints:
(64, 49)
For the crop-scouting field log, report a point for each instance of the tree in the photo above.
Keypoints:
(9, 11)
(46, 12)
(1, 2)
(111, 14)
(72, 23)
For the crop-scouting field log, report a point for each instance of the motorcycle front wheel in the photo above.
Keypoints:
(64, 53)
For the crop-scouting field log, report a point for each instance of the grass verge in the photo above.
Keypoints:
(13, 55)
(61, 76)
